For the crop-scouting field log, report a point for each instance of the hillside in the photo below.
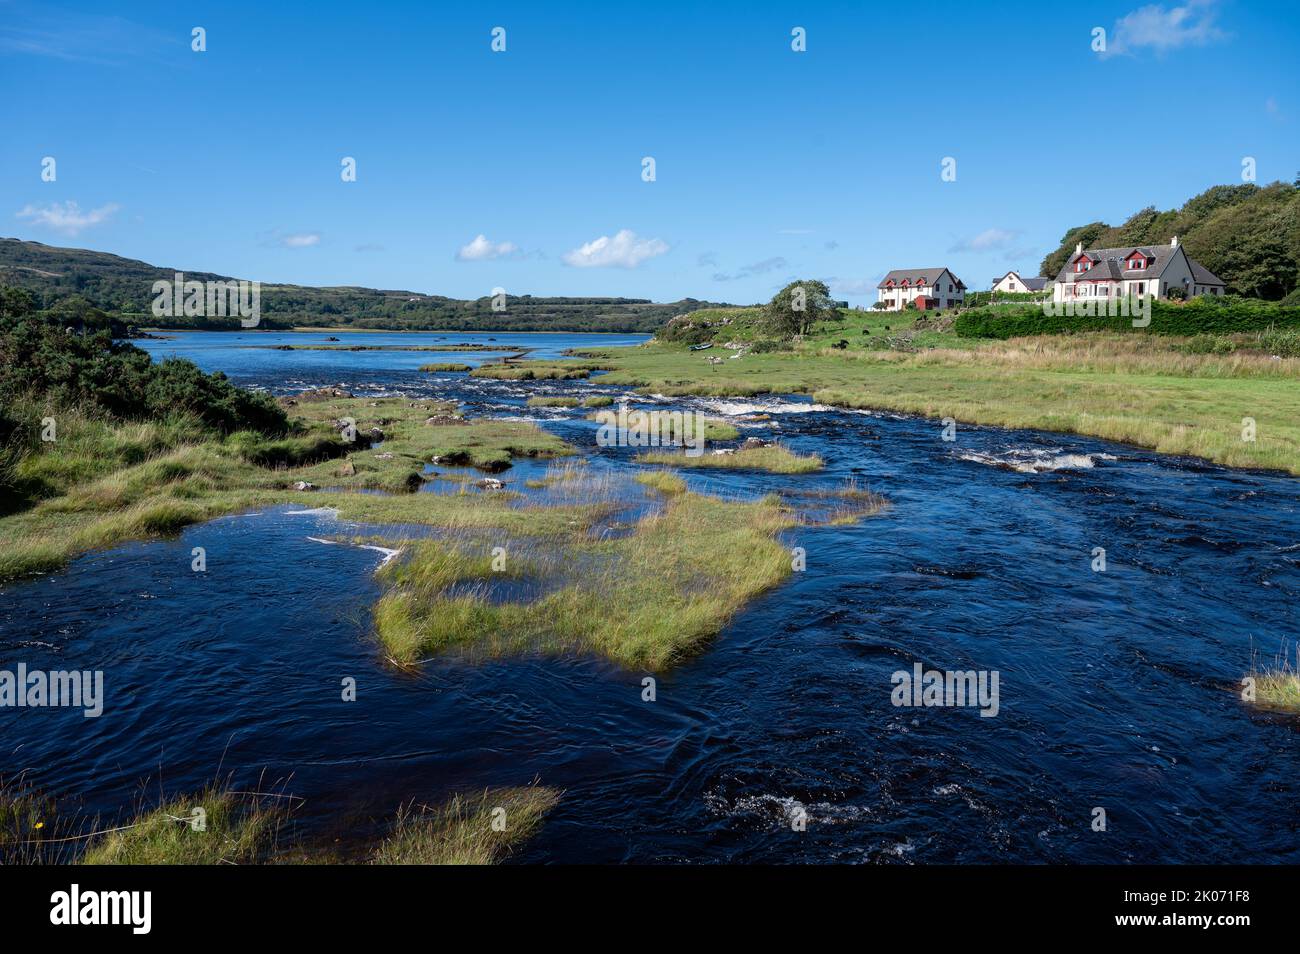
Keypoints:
(1248, 235)
(123, 286)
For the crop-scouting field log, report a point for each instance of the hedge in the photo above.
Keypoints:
(1202, 315)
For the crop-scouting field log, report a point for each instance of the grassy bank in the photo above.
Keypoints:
(104, 482)
(1141, 389)
(220, 826)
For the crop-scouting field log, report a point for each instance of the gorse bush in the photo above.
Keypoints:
(1202, 315)
(77, 367)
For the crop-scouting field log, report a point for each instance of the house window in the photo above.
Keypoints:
(1142, 288)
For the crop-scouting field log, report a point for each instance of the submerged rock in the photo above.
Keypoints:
(303, 485)
(489, 483)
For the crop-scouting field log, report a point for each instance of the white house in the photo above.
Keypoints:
(1133, 270)
(927, 287)
(1012, 282)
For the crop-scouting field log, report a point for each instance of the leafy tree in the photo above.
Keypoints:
(797, 307)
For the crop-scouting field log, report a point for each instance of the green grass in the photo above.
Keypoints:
(676, 580)
(533, 371)
(446, 366)
(467, 830)
(536, 401)
(664, 481)
(597, 400)
(1278, 686)
(237, 831)
(167, 486)
(775, 459)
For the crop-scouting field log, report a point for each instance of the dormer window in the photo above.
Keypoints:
(1137, 262)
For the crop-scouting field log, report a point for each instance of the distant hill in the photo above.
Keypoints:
(1248, 235)
(123, 286)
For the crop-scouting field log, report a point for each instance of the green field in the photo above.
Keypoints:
(1143, 389)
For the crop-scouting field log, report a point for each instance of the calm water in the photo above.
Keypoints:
(1117, 689)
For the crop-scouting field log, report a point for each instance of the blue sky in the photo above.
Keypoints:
(770, 164)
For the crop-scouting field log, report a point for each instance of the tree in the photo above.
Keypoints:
(797, 307)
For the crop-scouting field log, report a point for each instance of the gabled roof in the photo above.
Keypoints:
(1202, 275)
(1032, 284)
(1110, 258)
(1112, 261)
(911, 275)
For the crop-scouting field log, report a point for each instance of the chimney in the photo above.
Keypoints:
(1174, 242)
(1078, 249)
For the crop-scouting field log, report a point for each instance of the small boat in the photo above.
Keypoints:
(702, 347)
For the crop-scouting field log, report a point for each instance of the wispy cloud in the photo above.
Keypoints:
(624, 250)
(84, 37)
(66, 217)
(481, 249)
(1162, 29)
(758, 268)
(987, 241)
(301, 240)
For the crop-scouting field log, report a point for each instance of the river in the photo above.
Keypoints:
(1118, 689)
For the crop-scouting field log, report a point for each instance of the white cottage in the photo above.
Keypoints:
(926, 287)
(1012, 282)
(1133, 270)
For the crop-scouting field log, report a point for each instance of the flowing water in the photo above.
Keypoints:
(1117, 689)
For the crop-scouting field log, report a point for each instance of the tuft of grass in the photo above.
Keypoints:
(536, 401)
(664, 481)
(597, 400)
(236, 831)
(1278, 686)
(775, 459)
(467, 829)
(453, 366)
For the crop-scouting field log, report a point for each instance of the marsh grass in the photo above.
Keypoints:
(664, 481)
(597, 400)
(775, 459)
(447, 366)
(1277, 686)
(537, 401)
(644, 600)
(132, 481)
(239, 829)
(462, 830)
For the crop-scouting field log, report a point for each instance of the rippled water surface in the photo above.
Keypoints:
(1117, 689)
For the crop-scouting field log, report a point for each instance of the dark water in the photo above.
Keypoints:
(1118, 689)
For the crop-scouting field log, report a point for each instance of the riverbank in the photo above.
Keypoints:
(1240, 409)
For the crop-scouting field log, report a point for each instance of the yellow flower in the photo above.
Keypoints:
(40, 824)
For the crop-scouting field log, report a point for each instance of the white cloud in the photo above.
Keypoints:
(68, 217)
(986, 241)
(301, 240)
(624, 250)
(480, 249)
(1161, 29)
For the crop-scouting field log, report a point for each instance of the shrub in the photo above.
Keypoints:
(1202, 315)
